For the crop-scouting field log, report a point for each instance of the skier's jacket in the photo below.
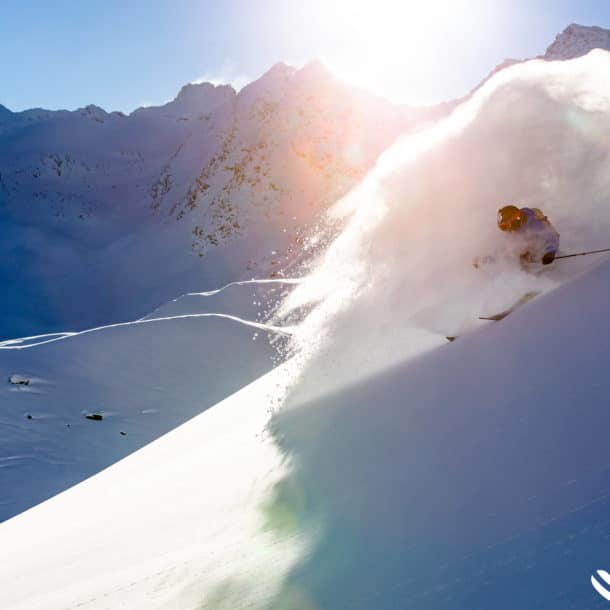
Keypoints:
(537, 239)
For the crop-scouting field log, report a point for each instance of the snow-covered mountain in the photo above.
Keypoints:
(378, 465)
(107, 216)
(235, 179)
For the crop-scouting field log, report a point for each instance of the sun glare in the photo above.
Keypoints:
(388, 46)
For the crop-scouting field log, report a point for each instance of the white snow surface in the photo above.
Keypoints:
(143, 378)
(167, 528)
(383, 467)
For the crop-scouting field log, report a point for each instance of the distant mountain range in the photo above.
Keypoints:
(105, 216)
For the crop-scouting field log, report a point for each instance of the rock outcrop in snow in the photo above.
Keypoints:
(577, 40)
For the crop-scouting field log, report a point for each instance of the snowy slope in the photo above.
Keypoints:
(475, 477)
(143, 378)
(384, 467)
(179, 527)
(489, 489)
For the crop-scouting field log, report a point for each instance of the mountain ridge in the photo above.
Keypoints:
(576, 40)
(211, 167)
(573, 41)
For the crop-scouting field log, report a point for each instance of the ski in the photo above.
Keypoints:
(528, 296)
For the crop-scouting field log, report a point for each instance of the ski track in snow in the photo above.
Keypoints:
(19, 341)
(14, 344)
(37, 340)
(210, 293)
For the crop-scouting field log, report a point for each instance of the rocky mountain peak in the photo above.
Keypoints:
(577, 40)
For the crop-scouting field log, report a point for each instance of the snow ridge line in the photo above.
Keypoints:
(14, 343)
(63, 335)
(244, 283)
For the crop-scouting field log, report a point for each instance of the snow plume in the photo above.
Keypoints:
(400, 276)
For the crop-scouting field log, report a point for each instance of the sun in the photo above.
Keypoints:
(388, 46)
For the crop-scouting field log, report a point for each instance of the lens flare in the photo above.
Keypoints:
(388, 46)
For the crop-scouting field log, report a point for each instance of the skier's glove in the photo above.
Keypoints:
(548, 258)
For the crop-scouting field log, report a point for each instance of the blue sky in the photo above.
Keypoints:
(123, 54)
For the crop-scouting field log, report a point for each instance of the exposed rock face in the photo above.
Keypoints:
(577, 40)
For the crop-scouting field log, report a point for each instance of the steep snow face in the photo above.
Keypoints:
(464, 475)
(577, 40)
(473, 477)
(535, 135)
(108, 216)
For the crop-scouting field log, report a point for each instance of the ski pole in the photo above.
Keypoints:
(582, 253)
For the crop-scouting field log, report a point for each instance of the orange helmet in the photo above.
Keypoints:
(510, 218)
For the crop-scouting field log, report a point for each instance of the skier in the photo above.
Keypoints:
(534, 237)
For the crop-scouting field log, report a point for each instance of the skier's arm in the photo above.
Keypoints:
(551, 244)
